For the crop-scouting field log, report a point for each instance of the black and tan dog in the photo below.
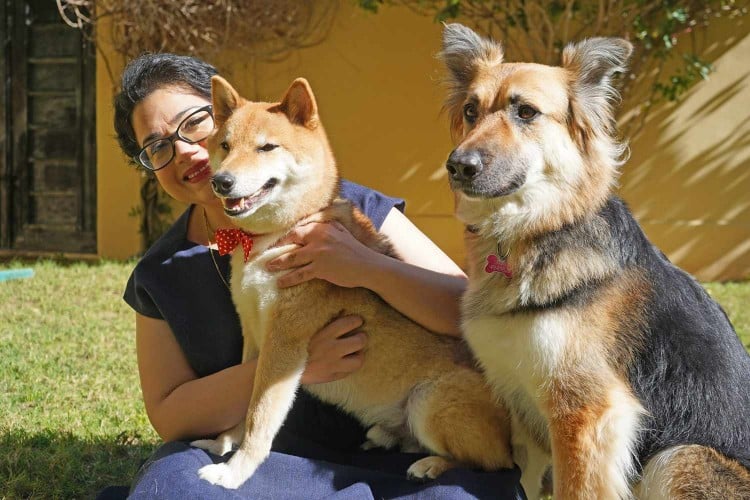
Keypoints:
(617, 366)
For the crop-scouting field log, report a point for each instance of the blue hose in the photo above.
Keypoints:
(14, 274)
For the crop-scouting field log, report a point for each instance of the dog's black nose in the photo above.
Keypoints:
(464, 165)
(222, 183)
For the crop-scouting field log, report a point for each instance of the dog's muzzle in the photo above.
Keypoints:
(464, 166)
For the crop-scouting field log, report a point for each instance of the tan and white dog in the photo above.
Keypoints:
(273, 167)
(617, 367)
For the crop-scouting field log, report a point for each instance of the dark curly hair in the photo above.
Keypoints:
(150, 72)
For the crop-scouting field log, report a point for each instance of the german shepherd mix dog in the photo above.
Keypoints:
(616, 366)
(273, 168)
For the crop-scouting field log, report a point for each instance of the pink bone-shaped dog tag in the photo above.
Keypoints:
(496, 265)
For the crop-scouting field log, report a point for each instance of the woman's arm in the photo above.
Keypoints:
(178, 403)
(426, 286)
(181, 405)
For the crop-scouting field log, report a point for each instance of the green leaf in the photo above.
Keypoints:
(370, 5)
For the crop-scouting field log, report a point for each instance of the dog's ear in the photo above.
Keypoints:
(299, 104)
(594, 61)
(464, 53)
(225, 99)
(592, 64)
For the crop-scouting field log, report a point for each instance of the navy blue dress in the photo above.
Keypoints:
(316, 454)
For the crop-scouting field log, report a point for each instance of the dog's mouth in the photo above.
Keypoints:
(490, 193)
(488, 188)
(235, 207)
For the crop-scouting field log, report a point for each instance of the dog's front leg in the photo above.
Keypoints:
(592, 445)
(530, 458)
(229, 439)
(280, 366)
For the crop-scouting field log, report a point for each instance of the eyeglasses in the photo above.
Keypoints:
(196, 126)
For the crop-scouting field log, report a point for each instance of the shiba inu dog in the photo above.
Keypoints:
(273, 167)
(616, 366)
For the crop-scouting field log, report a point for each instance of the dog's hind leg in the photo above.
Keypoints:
(690, 472)
(280, 366)
(456, 417)
(380, 437)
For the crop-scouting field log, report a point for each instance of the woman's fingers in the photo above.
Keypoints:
(302, 235)
(291, 259)
(341, 326)
(349, 365)
(324, 343)
(335, 351)
(313, 233)
(351, 344)
(324, 250)
(299, 275)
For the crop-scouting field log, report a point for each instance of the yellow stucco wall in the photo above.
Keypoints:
(117, 183)
(688, 179)
(376, 80)
(377, 84)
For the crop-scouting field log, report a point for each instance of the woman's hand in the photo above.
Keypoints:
(327, 251)
(335, 351)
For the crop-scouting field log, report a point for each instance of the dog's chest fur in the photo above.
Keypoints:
(515, 327)
(254, 289)
(517, 353)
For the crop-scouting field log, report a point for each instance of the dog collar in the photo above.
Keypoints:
(228, 239)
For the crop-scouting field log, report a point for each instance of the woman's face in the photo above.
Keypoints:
(187, 176)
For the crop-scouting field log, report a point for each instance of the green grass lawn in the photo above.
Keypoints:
(71, 417)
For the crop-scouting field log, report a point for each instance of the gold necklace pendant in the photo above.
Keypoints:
(211, 250)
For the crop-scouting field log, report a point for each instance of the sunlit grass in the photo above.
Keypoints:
(735, 299)
(71, 417)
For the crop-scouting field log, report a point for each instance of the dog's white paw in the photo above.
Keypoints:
(429, 468)
(224, 443)
(378, 437)
(369, 445)
(216, 446)
(221, 475)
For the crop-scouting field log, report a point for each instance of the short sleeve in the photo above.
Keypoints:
(373, 204)
(139, 292)
(138, 297)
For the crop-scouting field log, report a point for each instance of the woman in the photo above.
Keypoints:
(188, 336)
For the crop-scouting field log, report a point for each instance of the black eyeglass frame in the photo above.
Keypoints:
(174, 138)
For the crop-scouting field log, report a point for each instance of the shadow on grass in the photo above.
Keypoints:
(59, 465)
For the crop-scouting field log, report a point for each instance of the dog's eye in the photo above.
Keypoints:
(224, 145)
(268, 147)
(526, 112)
(470, 112)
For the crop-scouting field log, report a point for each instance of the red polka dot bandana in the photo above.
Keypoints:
(228, 239)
